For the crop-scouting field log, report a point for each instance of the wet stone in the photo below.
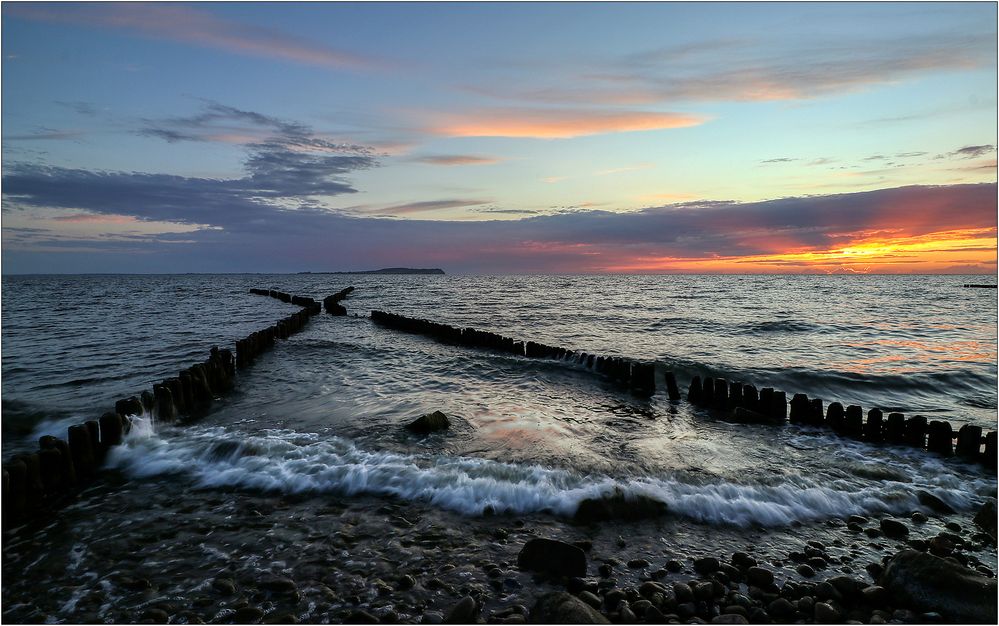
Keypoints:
(224, 586)
(759, 577)
(247, 615)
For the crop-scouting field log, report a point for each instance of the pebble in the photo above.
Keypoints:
(157, 616)
(405, 582)
(704, 591)
(224, 586)
(918, 518)
(781, 607)
(247, 615)
(806, 570)
(683, 593)
(638, 563)
(464, 612)
(674, 566)
(729, 618)
(894, 528)
(706, 565)
(826, 614)
(759, 577)
(432, 617)
(590, 598)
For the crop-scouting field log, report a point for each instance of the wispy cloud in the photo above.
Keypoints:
(972, 152)
(176, 22)
(555, 123)
(46, 134)
(626, 168)
(750, 71)
(427, 206)
(456, 159)
(778, 160)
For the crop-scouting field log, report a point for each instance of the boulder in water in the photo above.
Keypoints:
(929, 583)
(549, 555)
(934, 503)
(986, 518)
(618, 506)
(431, 422)
(560, 607)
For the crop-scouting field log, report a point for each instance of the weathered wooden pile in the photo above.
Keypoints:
(332, 303)
(302, 301)
(742, 403)
(637, 376)
(41, 480)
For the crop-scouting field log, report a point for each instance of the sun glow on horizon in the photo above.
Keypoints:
(972, 250)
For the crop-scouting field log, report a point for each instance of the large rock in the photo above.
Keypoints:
(618, 506)
(934, 503)
(549, 555)
(431, 422)
(986, 518)
(560, 607)
(929, 583)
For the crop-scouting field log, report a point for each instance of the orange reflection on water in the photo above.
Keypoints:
(921, 352)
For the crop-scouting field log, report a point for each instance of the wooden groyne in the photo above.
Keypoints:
(742, 403)
(980, 286)
(41, 480)
(332, 303)
(638, 376)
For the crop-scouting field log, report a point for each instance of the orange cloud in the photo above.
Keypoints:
(972, 249)
(557, 123)
(457, 159)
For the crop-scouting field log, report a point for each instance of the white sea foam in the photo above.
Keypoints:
(287, 462)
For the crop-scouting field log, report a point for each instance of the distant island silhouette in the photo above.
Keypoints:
(389, 270)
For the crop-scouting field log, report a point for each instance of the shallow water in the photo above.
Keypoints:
(325, 408)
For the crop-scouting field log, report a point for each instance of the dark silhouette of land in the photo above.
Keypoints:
(388, 270)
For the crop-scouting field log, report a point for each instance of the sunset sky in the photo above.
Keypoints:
(499, 138)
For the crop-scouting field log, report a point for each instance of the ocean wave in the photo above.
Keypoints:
(302, 463)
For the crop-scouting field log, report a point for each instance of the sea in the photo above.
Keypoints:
(311, 446)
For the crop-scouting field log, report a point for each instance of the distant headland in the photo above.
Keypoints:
(389, 270)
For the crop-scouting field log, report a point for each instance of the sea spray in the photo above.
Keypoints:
(297, 463)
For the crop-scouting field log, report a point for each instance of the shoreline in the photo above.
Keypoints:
(154, 549)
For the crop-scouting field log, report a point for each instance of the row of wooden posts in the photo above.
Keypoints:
(638, 376)
(741, 403)
(39, 480)
(738, 402)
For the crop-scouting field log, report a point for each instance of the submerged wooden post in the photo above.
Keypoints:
(873, 427)
(835, 417)
(799, 409)
(915, 431)
(940, 438)
(672, 390)
(695, 391)
(895, 429)
(816, 417)
(969, 442)
(853, 422)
